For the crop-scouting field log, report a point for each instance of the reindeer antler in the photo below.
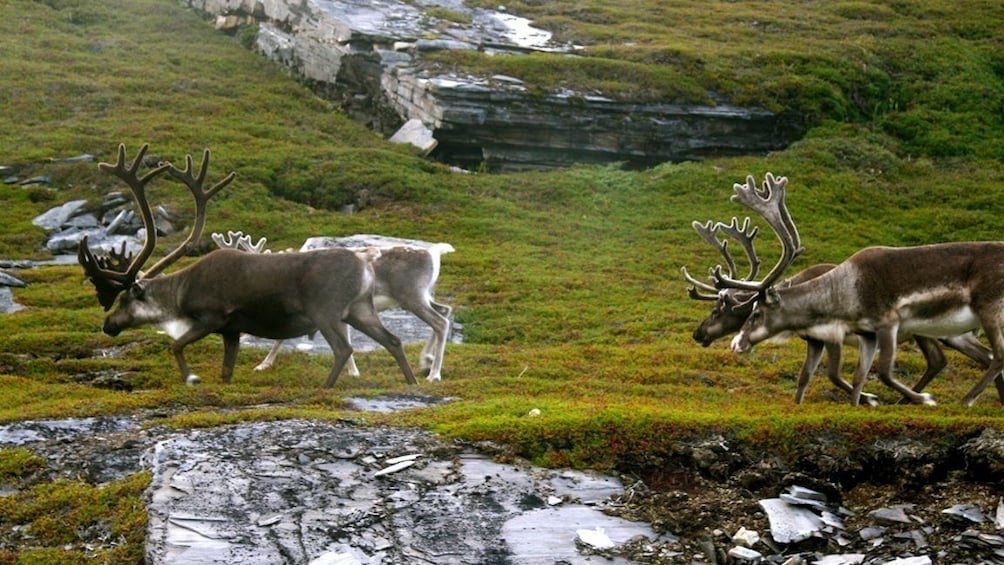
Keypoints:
(113, 273)
(238, 240)
(195, 185)
(743, 234)
(770, 204)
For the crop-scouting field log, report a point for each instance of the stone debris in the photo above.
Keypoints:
(923, 560)
(595, 538)
(416, 133)
(745, 554)
(844, 559)
(893, 515)
(969, 512)
(745, 538)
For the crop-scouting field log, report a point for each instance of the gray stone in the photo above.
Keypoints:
(894, 514)
(788, 523)
(7, 279)
(56, 218)
(745, 554)
(842, 559)
(415, 133)
(969, 512)
(922, 560)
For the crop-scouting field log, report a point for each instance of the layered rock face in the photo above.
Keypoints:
(368, 55)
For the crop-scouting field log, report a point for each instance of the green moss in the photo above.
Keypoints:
(70, 522)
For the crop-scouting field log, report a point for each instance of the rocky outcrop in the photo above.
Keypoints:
(369, 56)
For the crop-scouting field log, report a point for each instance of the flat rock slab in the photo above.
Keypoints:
(300, 492)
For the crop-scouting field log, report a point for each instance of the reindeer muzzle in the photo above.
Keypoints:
(111, 328)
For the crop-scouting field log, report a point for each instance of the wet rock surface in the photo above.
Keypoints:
(296, 492)
(303, 492)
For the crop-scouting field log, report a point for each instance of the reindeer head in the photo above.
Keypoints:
(731, 307)
(735, 297)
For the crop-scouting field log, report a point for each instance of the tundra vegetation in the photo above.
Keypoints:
(567, 283)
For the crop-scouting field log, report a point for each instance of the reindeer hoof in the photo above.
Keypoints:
(869, 399)
(262, 367)
(927, 400)
(433, 378)
(193, 380)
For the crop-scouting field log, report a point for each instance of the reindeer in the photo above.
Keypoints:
(879, 293)
(405, 276)
(733, 307)
(228, 292)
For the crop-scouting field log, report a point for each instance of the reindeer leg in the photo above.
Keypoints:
(813, 354)
(353, 370)
(178, 350)
(834, 354)
(269, 359)
(867, 343)
(363, 317)
(231, 344)
(999, 383)
(971, 347)
(935, 358)
(435, 349)
(996, 336)
(336, 337)
(887, 359)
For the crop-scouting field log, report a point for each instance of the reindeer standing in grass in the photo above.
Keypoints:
(404, 277)
(732, 307)
(229, 292)
(880, 295)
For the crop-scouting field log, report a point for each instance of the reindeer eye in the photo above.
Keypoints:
(137, 291)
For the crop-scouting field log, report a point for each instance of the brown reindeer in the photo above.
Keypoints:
(228, 292)
(879, 294)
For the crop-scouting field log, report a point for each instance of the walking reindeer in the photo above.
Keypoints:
(404, 277)
(879, 294)
(229, 292)
(732, 307)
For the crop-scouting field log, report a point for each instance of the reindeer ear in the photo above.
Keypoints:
(138, 290)
(771, 297)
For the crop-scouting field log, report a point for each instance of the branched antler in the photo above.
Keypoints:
(743, 234)
(770, 204)
(114, 273)
(195, 184)
(238, 240)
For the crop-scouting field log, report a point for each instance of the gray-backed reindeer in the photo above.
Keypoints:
(230, 292)
(879, 294)
(404, 277)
